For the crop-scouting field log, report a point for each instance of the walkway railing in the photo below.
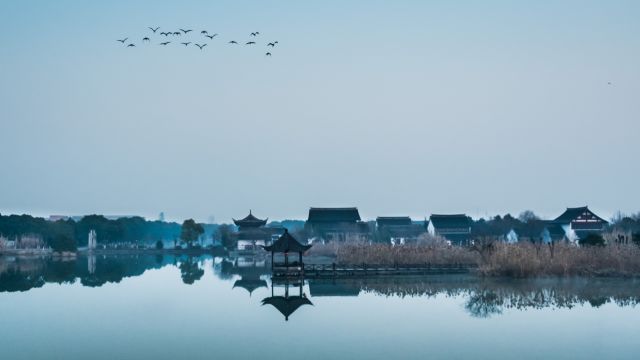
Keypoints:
(356, 270)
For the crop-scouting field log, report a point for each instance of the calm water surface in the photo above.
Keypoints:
(166, 307)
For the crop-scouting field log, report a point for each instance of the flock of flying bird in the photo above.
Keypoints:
(204, 33)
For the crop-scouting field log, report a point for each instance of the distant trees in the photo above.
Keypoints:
(191, 231)
(131, 229)
(62, 242)
(159, 245)
(225, 234)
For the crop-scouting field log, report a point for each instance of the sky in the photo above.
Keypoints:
(396, 107)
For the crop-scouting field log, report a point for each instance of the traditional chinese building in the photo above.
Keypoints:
(455, 228)
(579, 222)
(336, 224)
(253, 233)
(398, 229)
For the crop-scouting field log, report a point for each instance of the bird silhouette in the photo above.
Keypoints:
(201, 46)
(165, 33)
(154, 30)
(203, 32)
(268, 54)
(177, 33)
(165, 43)
(186, 43)
(255, 33)
(233, 42)
(250, 42)
(185, 31)
(271, 44)
(123, 40)
(146, 39)
(211, 36)
(131, 45)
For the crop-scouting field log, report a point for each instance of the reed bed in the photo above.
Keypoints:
(382, 254)
(520, 260)
(528, 260)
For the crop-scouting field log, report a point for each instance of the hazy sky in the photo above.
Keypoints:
(397, 107)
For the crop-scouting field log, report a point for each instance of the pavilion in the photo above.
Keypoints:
(284, 245)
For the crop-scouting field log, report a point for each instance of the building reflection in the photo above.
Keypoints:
(482, 297)
(288, 303)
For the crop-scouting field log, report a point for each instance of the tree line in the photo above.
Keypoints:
(67, 235)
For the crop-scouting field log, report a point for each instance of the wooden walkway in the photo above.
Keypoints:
(365, 270)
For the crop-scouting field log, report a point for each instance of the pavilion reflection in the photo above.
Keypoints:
(251, 270)
(287, 304)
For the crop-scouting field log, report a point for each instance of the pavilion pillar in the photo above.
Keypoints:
(286, 259)
(272, 261)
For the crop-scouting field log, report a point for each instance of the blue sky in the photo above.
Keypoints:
(403, 107)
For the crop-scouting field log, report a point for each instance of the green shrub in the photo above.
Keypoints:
(62, 242)
(592, 240)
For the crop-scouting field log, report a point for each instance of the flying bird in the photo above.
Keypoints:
(131, 45)
(165, 33)
(123, 40)
(177, 33)
(186, 43)
(203, 32)
(211, 36)
(154, 30)
(146, 39)
(185, 31)
(233, 42)
(271, 44)
(201, 46)
(250, 43)
(165, 43)
(255, 33)
(268, 54)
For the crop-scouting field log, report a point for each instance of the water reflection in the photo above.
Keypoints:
(288, 303)
(482, 297)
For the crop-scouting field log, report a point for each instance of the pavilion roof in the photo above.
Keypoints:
(250, 284)
(287, 305)
(286, 244)
(250, 221)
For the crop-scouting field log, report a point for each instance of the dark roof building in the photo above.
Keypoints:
(398, 229)
(333, 215)
(340, 224)
(456, 227)
(580, 221)
(382, 221)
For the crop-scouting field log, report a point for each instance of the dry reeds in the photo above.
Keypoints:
(523, 259)
(527, 260)
(382, 254)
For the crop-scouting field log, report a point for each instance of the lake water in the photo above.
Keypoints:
(167, 307)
